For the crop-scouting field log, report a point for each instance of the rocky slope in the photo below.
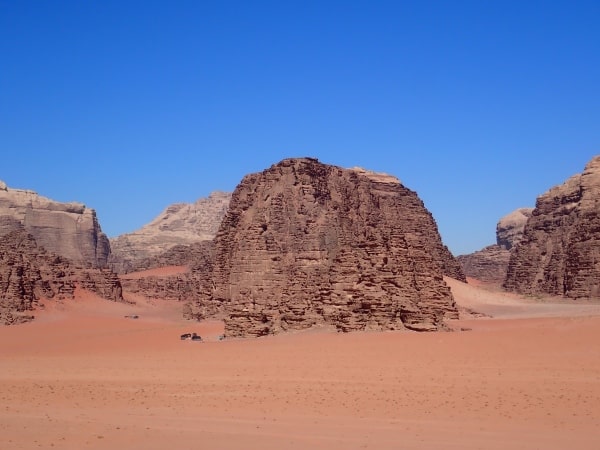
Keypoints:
(67, 229)
(29, 273)
(490, 263)
(304, 243)
(179, 224)
(559, 253)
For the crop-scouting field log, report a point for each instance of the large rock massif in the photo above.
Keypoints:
(559, 253)
(304, 244)
(67, 229)
(29, 273)
(180, 224)
(490, 263)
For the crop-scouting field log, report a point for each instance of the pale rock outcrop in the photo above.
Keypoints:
(509, 230)
(304, 244)
(559, 252)
(70, 230)
(179, 224)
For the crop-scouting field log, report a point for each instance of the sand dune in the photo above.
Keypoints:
(82, 376)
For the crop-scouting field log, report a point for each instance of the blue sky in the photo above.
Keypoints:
(129, 106)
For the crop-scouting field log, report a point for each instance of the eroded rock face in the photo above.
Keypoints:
(183, 287)
(29, 273)
(178, 225)
(490, 263)
(509, 230)
(559, 253)
(67, 229)
(304, 243)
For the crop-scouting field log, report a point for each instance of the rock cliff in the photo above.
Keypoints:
(29, 273)
(304, 244)
(490, 263)
(179, 224)
(67, 229)
(559, 253)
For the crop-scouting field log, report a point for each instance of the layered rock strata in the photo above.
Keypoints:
(29, 273)
(304, 244)
(490, 263)
(180, 224)
(559, 253)
(67, 229)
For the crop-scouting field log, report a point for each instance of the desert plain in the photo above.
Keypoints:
(526, 375)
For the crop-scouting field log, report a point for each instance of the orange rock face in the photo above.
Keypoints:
(29, 273)
(559, 253)
(305, 244)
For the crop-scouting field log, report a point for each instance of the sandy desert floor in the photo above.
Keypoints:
(82, 376)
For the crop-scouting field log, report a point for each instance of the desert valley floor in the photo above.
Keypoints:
(82, 376)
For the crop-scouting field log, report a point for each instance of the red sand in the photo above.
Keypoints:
(82, 376)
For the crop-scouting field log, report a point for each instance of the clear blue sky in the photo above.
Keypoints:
(129, 106)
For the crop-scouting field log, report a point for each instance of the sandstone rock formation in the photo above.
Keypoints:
(179, 224)
(29, 273)
(559, 253)
(304, 243)
(182, 287)
(68, 229)
(509, 230)
(490, 263)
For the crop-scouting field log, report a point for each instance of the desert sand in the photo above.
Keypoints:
(83, 376)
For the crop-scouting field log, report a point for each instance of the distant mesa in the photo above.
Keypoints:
(70, 230)
(179, 225)
(305, 244)
(559, 252)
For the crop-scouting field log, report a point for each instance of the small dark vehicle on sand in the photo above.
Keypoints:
(191, 337)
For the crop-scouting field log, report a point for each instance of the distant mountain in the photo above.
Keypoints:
(179, 224)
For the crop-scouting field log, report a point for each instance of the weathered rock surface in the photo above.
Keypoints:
(192, 255)
(183, 287)
(29, 273)
(67, 229)
(509, 230)
(490, 263)
(304, 244)
(179, 224)
(559, 253)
